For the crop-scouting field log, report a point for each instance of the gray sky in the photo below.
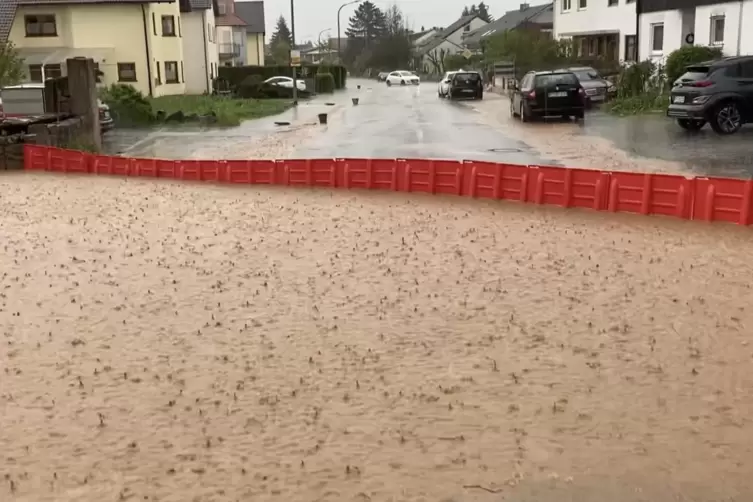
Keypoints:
(313, 16)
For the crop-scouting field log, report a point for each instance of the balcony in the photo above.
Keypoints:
(230, 50)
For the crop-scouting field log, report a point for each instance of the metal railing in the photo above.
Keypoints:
(232, 50)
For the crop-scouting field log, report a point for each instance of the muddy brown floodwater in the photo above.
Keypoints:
(179, 342)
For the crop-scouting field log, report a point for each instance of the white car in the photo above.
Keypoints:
(286, 82)
(402, 78)
(444, 85)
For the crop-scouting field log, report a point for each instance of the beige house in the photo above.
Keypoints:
(253, 14)
(432, 51)
(200, 41)
(135, 42)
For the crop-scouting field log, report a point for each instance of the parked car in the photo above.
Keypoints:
(402, 78)
(466, 84)
(598, 89)
(382, 76)
(719, 93)
(548, 93)
(444, 85)
(26, 100)
(286, 82)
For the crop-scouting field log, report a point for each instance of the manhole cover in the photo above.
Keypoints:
(505, 150)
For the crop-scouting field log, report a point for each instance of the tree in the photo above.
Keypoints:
(481, 10)
(11, 65)
(528, 50)
(394, 48)
(368, 23)
(281, 33)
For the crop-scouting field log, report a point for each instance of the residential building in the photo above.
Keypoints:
(200, 41)
(537, 17)
(604, 29)
(231, 35)
(253, 15)
(431, 54)
(667, 25)
(132, 41)
(422, 37)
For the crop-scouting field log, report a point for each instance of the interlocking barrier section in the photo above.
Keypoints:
(707, 199)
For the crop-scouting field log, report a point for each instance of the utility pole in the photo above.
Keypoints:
(292, 48)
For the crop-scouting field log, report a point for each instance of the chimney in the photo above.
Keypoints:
(524, 6)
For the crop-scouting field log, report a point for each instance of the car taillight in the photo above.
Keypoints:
(702, 83)
(532, 95)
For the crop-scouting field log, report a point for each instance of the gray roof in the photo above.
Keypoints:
(8, 9)
(542, 14)
(253, 14)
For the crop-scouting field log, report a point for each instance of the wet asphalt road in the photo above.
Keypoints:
(413, 122)
(655, 136)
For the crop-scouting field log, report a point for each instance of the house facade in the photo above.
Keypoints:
(200, 41)
(604, 29)
(132, 41)
(537, 17)
(231, 35)
(667, 25)
(431, 54)
(252, 13)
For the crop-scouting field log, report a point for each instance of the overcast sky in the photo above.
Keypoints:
(313, 16)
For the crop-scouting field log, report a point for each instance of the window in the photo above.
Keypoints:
(717, 30)
(127, 72)
(171, 72)
(41, 25)
(179, 33)
(168, 26)
(657, 37)
(50, 71)
(182, 73)
(567, 5)
(582, 4)
(630, 53)
(593, 46)
(154, 23)
(223, 9)
(158, 78)
(612, 3)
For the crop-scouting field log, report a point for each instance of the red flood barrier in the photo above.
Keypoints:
(706, 199)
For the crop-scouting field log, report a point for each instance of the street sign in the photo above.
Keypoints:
(467, 54)
(295, 58)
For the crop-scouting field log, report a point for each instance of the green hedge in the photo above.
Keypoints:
(235, 75)
(324, 83)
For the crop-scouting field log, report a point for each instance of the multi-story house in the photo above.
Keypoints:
(231, 35)
(604, 29)
(200, 42)
(537, 18)
(253, 14)
(136, 42)
(431, 53)
(667, 25)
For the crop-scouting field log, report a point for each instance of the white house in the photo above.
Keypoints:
(599, 28)
(200, 42)
(431, 53)
(667, 25)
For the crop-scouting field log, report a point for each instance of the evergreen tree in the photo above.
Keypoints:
(483, 12)
(281, 34)
(368, 24)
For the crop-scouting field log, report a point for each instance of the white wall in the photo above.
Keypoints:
(596, 18)
(457, 36)
(675, 32)
(195, 67)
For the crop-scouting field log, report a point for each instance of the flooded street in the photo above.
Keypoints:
(181, 342)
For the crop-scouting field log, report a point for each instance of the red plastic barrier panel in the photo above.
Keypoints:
(493, 180)
(36, 158)
(565, 187)
(368, 173)
(259, 172)
(200, 170)
(68, 161)
(144, 167)
(310, 172)
(431, 176)
(167, 169)
(651, 194)
(722, 199)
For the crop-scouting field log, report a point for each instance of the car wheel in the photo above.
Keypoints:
(566, 117)
(389, 83)
(726, 118)
(402, 82)
(580, 116)
(691, 125)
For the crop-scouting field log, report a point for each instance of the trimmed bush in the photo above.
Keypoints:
(678, 60)
(250, 87)
(324, 83)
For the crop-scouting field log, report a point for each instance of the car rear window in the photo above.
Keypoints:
(554, 79)
(470, 78)
(693, 73)
(586, 75)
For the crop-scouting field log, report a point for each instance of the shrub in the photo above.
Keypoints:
(678, 60)
(641, 87)
(127, 105)
(234, 75)
(250, 87)
(324, 83)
